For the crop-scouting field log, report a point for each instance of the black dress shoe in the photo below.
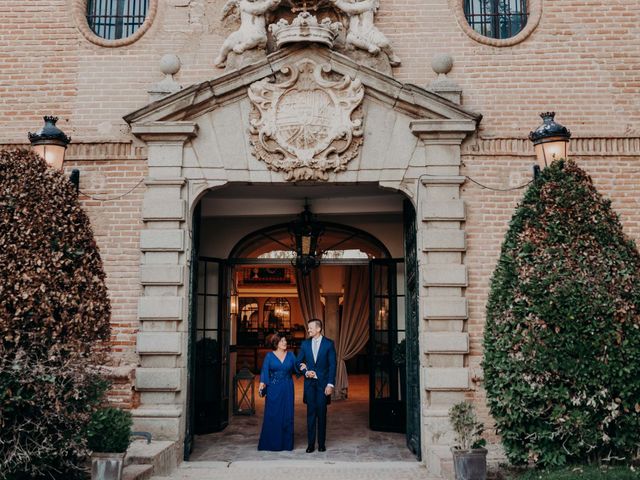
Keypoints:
(310, 449)
(322, 448)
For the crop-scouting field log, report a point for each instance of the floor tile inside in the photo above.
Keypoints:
(348, 435)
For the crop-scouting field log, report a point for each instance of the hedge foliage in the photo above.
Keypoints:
(562, 338)
(110, 430)
(54, 316)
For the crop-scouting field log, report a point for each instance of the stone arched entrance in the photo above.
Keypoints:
(197, 139)
(363, 224)
(362, 240)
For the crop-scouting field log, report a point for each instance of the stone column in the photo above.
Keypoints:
(162, 311)
(443, 338)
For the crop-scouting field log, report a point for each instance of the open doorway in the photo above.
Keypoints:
(246, 288)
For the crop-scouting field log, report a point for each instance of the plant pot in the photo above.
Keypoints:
(106, 466)
(470, 464)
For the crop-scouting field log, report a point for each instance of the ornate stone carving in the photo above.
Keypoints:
(253, 27)
(362, 32)
(307, 124)
(305, 28)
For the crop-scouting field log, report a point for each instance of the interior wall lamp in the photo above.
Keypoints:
(306, 231)
(51, 144)
(551, 142)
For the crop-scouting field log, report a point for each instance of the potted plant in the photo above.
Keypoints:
(108, 436)
(469, 456)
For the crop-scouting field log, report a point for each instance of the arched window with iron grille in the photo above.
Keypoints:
(116, 19)
(496, 18)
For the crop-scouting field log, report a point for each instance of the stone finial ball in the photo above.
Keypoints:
(169, 64)
(442, 63)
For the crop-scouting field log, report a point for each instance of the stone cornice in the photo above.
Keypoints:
(584, 147)
(165, 131)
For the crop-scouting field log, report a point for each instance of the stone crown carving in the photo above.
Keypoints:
(305, 28)
(307, 124)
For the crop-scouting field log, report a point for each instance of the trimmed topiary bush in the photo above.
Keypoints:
(54, 318)
(562, 338)
(109, 430)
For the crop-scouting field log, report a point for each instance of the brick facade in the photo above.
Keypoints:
(580, 60)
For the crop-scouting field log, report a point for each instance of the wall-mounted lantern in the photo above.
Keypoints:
(51, 144)
(551, 141)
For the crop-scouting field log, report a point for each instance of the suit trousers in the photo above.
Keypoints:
(316, 413)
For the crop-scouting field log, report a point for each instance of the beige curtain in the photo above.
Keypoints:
(354, 328)
(309, 295)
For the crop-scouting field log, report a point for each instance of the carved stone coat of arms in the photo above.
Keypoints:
(307, 124)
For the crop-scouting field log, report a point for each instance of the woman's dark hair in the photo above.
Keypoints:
(275, 338)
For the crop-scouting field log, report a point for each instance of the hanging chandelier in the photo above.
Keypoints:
(305, 232)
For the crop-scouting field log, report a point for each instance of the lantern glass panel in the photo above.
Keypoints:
(552, 149)
(52, 154)
(244, 393)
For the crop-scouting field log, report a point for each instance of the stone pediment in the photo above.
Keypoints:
(192, 102)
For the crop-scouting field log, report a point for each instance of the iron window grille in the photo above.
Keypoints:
(116, 19)
(496, 18)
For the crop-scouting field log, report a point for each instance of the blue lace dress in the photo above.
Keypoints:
(277, 425)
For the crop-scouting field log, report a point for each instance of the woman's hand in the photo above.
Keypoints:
(303, 366)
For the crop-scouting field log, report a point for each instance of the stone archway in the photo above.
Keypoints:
(196, 140)
(238, 440)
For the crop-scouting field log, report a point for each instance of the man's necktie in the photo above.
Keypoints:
(315, 347)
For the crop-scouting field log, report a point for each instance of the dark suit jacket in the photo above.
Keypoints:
(324, 366)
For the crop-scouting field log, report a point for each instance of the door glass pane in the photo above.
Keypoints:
(212, 334)
(201, 272)
(381, 343)
(211, 320)
(382, 313)
(212, 278)
(400, 278)
(381, 381)
(400, 313)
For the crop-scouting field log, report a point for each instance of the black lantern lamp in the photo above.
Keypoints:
(306, 231)
(51, 144)
(244, 398)
(551, 141)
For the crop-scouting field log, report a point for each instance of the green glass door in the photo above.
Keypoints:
(386, 398)
(211, 390)
(412, 363)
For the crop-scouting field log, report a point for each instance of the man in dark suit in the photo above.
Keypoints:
(317, 360)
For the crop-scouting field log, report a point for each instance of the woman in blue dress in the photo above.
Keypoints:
(277, 386)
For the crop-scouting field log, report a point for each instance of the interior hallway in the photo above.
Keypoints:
(348, 435)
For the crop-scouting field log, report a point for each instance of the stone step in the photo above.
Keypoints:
(309, 470)
(162, 456)
(137, 472)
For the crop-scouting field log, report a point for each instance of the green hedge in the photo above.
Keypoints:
(581, 473)
(562, 337)
(110, 430)
(54, 318)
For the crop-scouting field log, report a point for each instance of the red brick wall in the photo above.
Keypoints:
(580, 61)
(489, 213)
(116, 224)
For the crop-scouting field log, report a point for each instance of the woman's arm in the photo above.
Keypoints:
(264, 373)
